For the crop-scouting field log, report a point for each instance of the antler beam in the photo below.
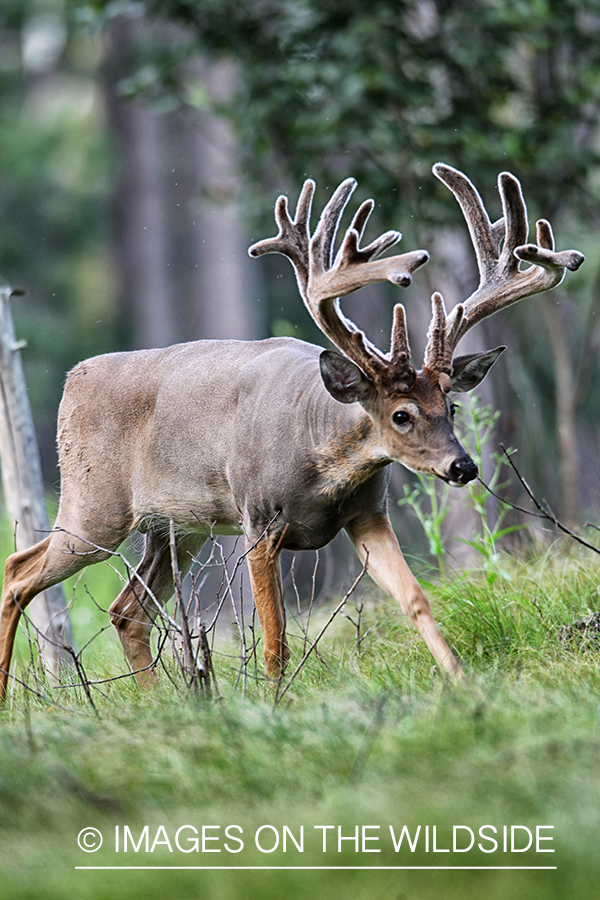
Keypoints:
(500, 248)
(322, 279)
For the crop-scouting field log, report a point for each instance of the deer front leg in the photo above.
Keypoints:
(376, 542)
(263, 565)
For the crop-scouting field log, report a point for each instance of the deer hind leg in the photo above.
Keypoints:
(30, 572)
(265, 578)
(134, 611)
(376, 542)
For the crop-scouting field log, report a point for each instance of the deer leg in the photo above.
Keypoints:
(30, 572)
(265, 578)
(376, 543)
(133, 613)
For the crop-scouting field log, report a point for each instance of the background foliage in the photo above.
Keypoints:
(324, 89)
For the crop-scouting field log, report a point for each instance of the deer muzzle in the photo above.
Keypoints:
(462, 470)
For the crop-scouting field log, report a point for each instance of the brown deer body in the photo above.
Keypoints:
(276, 439)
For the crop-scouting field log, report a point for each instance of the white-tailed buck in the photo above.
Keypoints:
(277, 438)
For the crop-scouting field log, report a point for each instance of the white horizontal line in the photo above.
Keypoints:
(330, 868)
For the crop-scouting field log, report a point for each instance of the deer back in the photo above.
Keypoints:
(222, 435)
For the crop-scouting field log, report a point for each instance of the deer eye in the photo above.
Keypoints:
(401, 417)
(453, 408)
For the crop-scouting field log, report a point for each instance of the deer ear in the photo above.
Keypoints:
(343, 379)
(469, 371)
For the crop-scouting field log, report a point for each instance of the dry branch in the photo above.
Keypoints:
(544, 511)
(22, 483)
(281, 693)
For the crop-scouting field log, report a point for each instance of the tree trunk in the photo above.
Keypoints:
(224, 303)
(139, 200)
(565, 395)
(23, 488)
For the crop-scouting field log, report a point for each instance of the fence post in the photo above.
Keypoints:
(22, 483)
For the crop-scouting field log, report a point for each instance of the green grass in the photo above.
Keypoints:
(373, 739)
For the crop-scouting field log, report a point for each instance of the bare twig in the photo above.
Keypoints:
(281, 693)
(280, 541)
(544, 511)
(357, 625)
(238, 563)
(312, 599)
(24, 684)
(84, 681)
(66, 648)
(195, 674)
(297, 614)
(83, 678)
(132, 575)
(206, 657)
(30, 641)
(537, 606)
(254, 641)
(99, 681)
(12, 689)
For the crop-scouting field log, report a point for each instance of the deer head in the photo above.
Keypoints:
(411, 408)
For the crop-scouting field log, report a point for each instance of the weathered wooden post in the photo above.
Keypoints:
(22, 483)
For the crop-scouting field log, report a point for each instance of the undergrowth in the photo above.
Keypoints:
(369, 733)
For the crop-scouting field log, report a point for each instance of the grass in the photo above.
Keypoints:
(374, 739)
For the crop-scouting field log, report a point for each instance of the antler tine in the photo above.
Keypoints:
(355, 268)
(514, 214)
(399, 345)
(501, 266)
(498, 232)
(543, 254)
(478, 221)
(544, 234)
(400, 348)
(361, 217)
(453, 327)
(323, 239)
(372, 250)
(293, 237)
(437, 353)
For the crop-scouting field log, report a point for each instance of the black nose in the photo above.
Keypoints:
(463, 470)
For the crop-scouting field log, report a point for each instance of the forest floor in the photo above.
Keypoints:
(369, 776)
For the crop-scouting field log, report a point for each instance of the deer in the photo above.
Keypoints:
(282, 441)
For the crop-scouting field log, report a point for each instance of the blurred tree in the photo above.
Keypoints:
(105, 215)
(381, 90)
(54, 240)
(224, 276)
(179, 237)
(390, 87)
(139, 195)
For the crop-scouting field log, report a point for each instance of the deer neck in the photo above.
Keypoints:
(351, 454)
